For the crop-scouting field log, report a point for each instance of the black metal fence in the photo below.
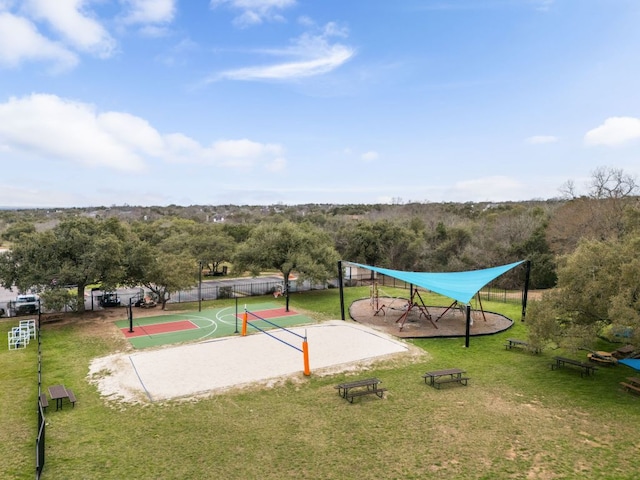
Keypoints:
(250, 287)
(213, 291)
(40, 437)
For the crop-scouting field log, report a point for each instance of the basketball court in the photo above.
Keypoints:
(145, 332)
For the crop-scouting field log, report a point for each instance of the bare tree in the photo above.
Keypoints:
(607, 183)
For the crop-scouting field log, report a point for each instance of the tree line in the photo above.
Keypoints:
(582, 248)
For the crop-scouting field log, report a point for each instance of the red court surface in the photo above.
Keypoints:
(271, 313)
(155, 328)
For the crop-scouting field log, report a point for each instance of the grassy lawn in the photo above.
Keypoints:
(516, 419)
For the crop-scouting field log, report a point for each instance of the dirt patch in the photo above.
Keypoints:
(387, 316)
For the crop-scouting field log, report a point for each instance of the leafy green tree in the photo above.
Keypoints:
(598, 290)
(210, 245)
(445, 248)
(381, 243)
(536, 249)
(287, 247)
(58, 299)
(160, 269)
(78, 251)
(17, 229)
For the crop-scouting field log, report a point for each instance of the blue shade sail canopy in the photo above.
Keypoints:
(631, 362)
(460, 286)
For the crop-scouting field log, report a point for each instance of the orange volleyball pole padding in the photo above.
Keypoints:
(305, 354)
(244, 324)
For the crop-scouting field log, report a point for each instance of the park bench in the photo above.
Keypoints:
(359, 393)
(460, 380)
(71, 396)
(44, 401)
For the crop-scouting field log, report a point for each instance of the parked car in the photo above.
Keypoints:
(27, 304)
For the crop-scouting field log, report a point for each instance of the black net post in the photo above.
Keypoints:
(130, 313)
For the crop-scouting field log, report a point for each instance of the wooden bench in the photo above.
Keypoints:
(72, 397)
(44, 401)
(460, 380)
(359, 393)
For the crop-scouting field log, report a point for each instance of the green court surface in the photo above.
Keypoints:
(211, 323)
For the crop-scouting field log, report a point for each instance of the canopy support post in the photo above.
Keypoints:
(468, 331)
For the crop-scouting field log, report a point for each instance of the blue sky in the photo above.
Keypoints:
(158, 102)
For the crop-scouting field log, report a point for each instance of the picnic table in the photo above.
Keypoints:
(59, 393)
(358, 388)
(587, 368)
(451, 375)
(604, 358)
(632, 384)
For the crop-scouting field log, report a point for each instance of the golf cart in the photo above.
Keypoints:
(109, 299)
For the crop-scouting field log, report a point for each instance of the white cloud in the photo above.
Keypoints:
(540, 139)
(615, 131)
(370, 156)
(312, 55)
(50, 127)
(336, 56)
(149, 11)
(255, 12)
(242, 153)
(20, 42)
(79, 29)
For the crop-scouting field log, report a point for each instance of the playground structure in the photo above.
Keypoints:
(414, 308)
(406, 309)
(461, 287)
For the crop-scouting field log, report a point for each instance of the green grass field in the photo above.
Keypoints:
(517, 419)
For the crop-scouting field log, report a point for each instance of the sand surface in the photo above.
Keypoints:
(209, 367)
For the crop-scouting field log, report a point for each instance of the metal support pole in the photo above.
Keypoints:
(468, 332)
(130, 312)
(199, 286)
(340, 285)
(234, 294)
(525, 293)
